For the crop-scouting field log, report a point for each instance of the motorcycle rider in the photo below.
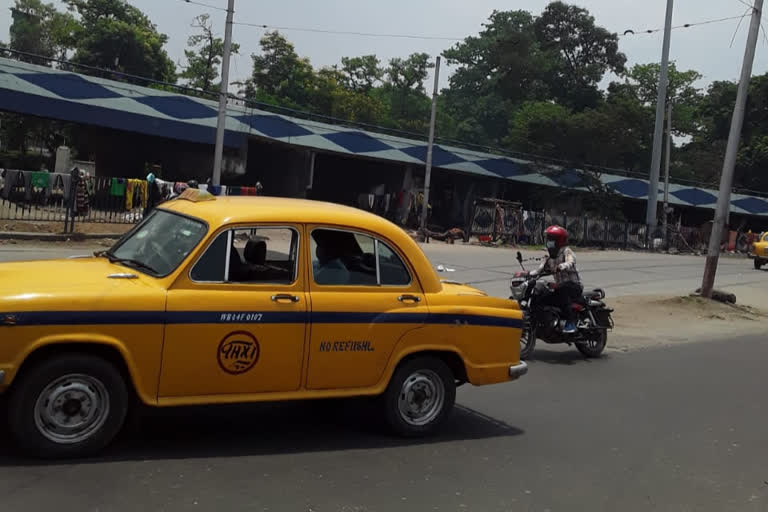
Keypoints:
(561, 263)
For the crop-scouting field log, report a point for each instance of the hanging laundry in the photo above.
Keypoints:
(117, 187)
(143, 192)
(136, 188)
(40, 179)
(14, 179)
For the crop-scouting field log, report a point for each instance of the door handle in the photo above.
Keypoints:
(410, 298)
(285, 296)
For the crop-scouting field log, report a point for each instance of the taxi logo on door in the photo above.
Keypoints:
(238, 352)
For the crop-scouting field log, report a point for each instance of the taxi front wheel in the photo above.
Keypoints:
(71, 405)
(419, 397)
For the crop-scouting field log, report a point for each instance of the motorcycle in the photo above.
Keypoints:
(546, 322)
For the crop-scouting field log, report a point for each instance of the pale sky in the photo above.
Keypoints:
(706, 48)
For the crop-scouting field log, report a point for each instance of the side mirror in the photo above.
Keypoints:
(519, 257)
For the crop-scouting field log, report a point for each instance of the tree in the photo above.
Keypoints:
(642, 81)
(404, 95)
(496, 71)
(204, 54)
(115, 35)
(361, 74)
(703, 156)
(409, 74)
(40, 29)
(581, 52)
(331, 97)
(279, 75)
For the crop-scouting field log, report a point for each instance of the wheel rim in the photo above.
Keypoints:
(525, 338)
(595, 341)
(72, 408)
(421, 397)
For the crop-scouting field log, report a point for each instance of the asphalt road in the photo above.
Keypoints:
(679, 428)
(619, 273)
(675, 429)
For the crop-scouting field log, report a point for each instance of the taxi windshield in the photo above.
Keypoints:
(159, 244)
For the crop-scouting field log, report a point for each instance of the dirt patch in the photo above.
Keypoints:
(643, 321)
(86, 228)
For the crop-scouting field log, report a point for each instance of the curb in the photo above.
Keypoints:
(56, 237)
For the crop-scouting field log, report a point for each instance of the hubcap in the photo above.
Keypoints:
(421, 397)
(71, 409)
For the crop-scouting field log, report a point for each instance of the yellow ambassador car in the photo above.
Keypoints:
(229, 299)
(759, 251)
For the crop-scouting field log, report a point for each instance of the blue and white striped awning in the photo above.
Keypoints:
(51, 93)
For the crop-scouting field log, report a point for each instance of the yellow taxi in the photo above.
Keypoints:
(242, 299)
(760, 251)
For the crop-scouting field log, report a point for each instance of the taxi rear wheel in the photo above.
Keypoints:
(419, 397)
(71, 405)
(758, 263)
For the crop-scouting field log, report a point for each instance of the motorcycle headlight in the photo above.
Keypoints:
(518, 290)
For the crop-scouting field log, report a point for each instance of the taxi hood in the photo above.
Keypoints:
(58, 279)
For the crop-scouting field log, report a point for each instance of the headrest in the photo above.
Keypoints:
(255, 252)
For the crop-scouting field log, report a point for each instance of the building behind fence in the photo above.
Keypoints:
(77, 197)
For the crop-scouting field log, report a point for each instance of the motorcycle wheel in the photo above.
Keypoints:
(527, 341)
(595, 343)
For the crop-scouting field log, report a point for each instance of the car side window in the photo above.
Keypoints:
(345, 258)
(392, 270)
(258, 255)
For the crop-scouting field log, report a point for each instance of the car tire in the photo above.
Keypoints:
(67, 406)
(420, 397)
(758, 263)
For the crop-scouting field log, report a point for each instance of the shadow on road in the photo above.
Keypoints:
(268, 429)
(568, 357)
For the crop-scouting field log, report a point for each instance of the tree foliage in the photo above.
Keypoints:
(114, 35)
(531, 82)
(40, 29)
(204, 53)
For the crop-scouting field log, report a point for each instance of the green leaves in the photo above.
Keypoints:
(39, 28)
(115, 35)
(204, 55)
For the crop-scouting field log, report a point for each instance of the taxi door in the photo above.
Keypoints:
(236, 321)
(364, 298)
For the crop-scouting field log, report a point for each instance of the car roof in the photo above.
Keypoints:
(228, 210)
(239, 209)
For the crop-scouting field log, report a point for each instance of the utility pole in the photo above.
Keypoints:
(666, 174)
(430, 146)
(729, 164)
(658, 133)
(223, 94)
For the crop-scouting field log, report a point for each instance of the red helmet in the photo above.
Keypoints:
(558, 234)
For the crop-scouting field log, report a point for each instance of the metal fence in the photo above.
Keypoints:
(69, 198)
(66, 198)
(587, 231)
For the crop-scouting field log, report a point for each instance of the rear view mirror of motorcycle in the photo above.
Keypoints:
(519, 256)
